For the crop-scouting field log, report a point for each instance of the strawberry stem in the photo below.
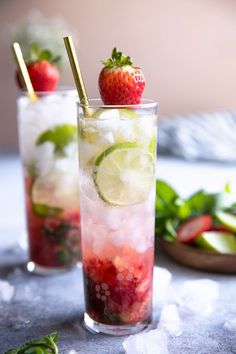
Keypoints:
(118, 59)
(38, 54)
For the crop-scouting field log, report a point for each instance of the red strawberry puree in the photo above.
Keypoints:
(118, 290)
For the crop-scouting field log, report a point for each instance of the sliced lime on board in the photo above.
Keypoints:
(221, 242)
(124, 174)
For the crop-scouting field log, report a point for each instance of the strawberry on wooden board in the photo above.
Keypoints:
(42, 69)
(120, 83)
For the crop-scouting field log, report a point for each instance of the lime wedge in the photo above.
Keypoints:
(221, 242)
(227, 219)
(124, 174)
(107, 113)
(127, 113)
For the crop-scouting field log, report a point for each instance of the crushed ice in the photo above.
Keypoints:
(170, 320)
(198, 296)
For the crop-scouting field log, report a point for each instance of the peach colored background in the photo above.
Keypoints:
(186, 48)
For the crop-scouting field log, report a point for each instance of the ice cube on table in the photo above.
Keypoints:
(170, 320)
(6, 291)
(152, 342)
(230, 324)
(161, 284)
(198, 295)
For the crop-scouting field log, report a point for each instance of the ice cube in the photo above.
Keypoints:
(44, 157)
(170, 320)
(198, 295)
(230, 324)
(161, 285)
(152, 342)
(6, 291)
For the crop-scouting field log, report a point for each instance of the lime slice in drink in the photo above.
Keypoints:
(227, 219)
(124, 174)
(221, 242)
(54, 190)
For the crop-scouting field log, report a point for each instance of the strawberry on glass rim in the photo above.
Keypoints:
(120, 83)
(42, 69)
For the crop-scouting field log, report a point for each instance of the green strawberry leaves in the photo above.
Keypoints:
(117, 60)
(45, 345)
(38, 54)
(60, 136)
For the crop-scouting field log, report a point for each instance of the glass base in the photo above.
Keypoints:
(35, 268)
(115, 330)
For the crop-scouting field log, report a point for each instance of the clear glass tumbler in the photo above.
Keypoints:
(117, 160)
(49, 153)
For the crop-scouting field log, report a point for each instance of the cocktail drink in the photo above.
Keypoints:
(48, 148)
(117, 154)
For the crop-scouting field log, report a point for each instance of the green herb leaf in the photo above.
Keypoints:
(172, 210)
(45, 345)
(45, 55)
(36, 53)
(60, 136)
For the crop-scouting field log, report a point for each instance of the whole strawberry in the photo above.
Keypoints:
(42, 70)
(120, 83)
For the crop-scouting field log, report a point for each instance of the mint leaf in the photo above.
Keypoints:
(165, 197)
(203, 203)
(60, 136)
(45, 210)
(45, 55)
(45, 345)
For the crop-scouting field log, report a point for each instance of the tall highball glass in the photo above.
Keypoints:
(49, 153)
(117, 160)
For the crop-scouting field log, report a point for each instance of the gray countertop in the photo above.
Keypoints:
(45, 304)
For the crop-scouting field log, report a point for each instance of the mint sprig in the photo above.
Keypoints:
(172, 210)
(44, 345)
(118, 59)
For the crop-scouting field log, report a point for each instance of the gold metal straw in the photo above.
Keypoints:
(77, 76)
(23, 72)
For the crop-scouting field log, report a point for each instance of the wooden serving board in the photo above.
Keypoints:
(198, 258)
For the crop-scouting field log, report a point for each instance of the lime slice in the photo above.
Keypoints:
(124, 174)
(227, 219)
(53, 192)
(221, 242)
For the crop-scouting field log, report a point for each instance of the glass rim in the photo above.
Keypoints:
(94, 103)
(59, 90)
